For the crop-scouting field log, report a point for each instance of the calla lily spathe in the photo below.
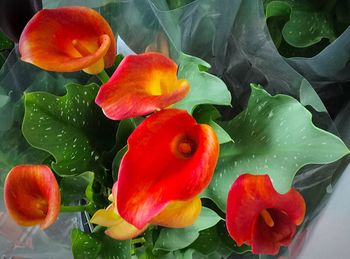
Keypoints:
(140, 85)
(178, 214)
(170, 158)
(68, 39)
(259, 216)
(32, 195)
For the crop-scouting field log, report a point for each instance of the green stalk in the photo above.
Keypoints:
(139, 240)
(78, 208)
(103, 76)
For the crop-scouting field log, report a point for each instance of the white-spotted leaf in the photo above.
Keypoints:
(204, 87)
(275, 136)
(72, 128)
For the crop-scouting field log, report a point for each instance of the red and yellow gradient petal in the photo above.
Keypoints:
(179, 214)
(117, 227)
(32, 195)
(141, 84)
(170, 158)
(259, 216)
(68, 39)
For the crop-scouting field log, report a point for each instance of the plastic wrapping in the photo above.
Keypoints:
(17, 77)
(233, 37)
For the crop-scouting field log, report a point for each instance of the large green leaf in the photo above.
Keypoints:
(98, 245)
(204, 87)
(273, 136)
(72, 128)
(172, 239)
(75, 188)
(307, 23)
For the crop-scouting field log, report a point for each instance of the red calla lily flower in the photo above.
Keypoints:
(68, 39)
(170, 158)
(32, 195)
(259, 216)
(140, 85)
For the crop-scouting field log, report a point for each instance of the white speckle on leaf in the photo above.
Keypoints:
(270, 114)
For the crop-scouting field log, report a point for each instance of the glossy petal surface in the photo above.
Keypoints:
(68, 39)
(32, 195)
(117, 227)
(252, 196)
(179, 214)
(170, 158)
(140, 85)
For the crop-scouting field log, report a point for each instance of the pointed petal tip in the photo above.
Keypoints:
(140, 85)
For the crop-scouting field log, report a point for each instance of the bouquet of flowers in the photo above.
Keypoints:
(199, 141)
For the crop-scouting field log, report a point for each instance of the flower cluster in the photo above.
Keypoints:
(170, 157)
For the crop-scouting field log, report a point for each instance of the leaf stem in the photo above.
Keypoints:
(78, 208)
(139, 240)
(103, 76)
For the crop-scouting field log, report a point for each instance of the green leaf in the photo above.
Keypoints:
(306, 23)
(277, 8)
(215, 242)
(125, 128)
(72, 128)
(116, 162)
(2, 59)
(76, 188)
(187, 254)
(298, 31)
(208, 242)
(204, 87)
(273, 136)
(171, 239)
(5, 43)
(207, 114)
(116, 63)
(98, 245)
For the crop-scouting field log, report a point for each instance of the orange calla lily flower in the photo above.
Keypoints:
(170, 160)
(140, 85)
(259, 216)
(177, 214)
(68, 39)
(32, 195)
